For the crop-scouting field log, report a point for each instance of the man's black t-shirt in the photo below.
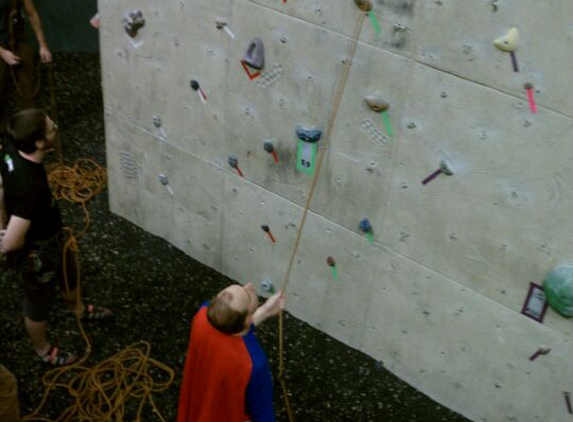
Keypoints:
(27, 195)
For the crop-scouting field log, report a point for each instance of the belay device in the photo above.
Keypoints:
(307, 148)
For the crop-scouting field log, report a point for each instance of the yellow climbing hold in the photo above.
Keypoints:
(508, 42)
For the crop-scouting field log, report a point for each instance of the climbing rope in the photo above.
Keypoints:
(331, 120)
(78, 183)
(100, 393)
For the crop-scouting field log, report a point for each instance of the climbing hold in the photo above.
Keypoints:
(234, 163)
(444, 169)
(558, 289)
(508, 43)
(255, 55)
(307, 148)
(165, 182)
(307, 135)
(133, 22)
(529, 91)
(377, 104)
(157, 124)
(332, 264)
(381, 106)
(196, 87)
(267, 230)
(364, 5)
(540, 351)
(365, 227)
(221, 24)
(267, 286)
(269, 147)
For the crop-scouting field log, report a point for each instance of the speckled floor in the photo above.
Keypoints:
(154, 290)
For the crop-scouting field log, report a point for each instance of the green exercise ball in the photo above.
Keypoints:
(558, 289)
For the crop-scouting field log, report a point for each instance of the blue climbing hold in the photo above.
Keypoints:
(308, 135)
(233, 161)
(365, 226)
(558, 289)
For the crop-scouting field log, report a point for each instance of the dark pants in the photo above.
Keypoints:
(24, 74)
(41, 268)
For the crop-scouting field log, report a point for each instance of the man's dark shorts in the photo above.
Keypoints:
(41, 270)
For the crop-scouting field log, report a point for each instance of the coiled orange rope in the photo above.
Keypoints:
(78, 183)
(100, 393)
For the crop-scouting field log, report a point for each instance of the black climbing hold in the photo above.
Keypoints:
(194, 85)
(268, 146)
(308, 135)
(255, 55)
(220, 24)
(133, 22)
(233, 161)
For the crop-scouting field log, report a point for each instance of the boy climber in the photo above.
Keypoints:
(227, 376)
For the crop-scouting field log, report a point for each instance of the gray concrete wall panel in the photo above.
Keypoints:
(436, 296)
(464, 45)
(462, 347)
(487, 222)
(193, 199)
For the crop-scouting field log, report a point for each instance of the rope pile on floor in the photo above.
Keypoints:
(102, 393)
(78, 183)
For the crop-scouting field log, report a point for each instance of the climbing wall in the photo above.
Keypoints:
(465, 178)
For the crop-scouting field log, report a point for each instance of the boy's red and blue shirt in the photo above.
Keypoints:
(226, 378)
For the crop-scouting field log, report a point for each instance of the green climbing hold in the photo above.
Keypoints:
(558, 289)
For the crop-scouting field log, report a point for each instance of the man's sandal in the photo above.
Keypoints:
(96, 313)
(57, 357)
